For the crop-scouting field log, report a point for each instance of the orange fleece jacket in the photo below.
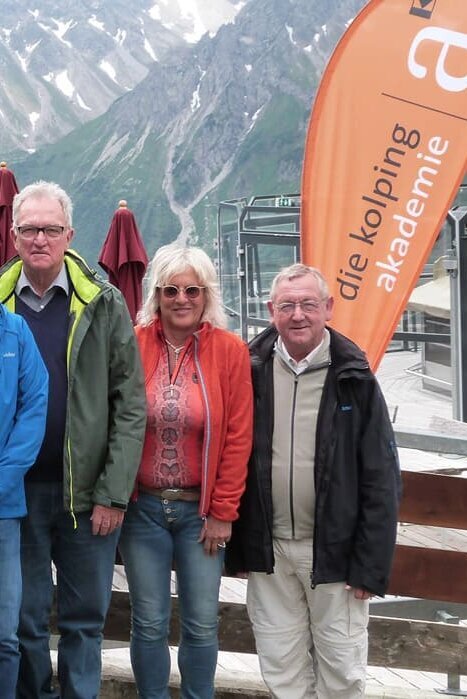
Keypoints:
(223, 367)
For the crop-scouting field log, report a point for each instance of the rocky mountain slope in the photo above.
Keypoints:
(64, 63)
(223, 118)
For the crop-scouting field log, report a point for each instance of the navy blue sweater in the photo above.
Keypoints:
(50, 329)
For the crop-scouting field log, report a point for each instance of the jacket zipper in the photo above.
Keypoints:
(207, 431)
(292, 446)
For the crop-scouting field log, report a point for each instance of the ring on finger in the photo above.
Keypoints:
(221, 546)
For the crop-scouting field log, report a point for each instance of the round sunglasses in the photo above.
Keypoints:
(171, 291)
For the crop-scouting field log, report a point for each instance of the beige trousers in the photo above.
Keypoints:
(311, 644)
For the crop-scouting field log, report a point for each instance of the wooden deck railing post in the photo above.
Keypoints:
(453, 679)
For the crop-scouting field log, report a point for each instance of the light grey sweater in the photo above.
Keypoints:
(296, 404)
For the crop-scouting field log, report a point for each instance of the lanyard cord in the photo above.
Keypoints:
(179, 359)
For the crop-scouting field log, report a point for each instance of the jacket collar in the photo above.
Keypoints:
(83, 279)
(345, 354)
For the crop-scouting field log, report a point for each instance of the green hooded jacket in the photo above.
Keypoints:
(106, 407)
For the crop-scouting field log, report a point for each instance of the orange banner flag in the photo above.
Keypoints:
(385, 154)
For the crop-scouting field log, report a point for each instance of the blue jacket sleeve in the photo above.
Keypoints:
(27, 432)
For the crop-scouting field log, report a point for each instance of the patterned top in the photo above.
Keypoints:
(175, 427)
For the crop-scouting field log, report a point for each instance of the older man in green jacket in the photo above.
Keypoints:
(79, 487)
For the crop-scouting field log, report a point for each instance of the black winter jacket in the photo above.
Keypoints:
(357, 476)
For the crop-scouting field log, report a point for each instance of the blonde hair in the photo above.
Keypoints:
(171, 260)
(300, 270)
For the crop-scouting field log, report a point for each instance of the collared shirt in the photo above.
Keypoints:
(303, 364)
(24, 289)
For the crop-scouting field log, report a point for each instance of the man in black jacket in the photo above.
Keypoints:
(320, 508)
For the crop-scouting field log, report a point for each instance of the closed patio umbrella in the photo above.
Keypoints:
(8, 189)
(123, 257)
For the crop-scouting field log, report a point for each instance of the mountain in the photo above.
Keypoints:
(220, 119)
(64, 63)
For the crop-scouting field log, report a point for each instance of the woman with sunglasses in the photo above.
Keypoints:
(192, 473)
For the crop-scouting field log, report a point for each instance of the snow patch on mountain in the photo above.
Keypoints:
(64, 84)
(109, 70)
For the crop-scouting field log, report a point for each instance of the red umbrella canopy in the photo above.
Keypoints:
(124, 257)
(8, 189)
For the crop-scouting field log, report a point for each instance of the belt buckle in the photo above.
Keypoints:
(170, 493)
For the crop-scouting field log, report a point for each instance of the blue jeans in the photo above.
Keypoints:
(84, 564)
(154, 534)
(10, 600)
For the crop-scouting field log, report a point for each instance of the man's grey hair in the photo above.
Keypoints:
(171, 260)
(300, 270)
(43, 189)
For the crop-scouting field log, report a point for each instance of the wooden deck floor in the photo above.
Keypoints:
(241, 670)
(411, 406)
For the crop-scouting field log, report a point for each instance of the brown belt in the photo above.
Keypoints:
(186, 494)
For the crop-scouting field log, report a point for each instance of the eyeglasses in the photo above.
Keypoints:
(30, 232)
(171, 291)
(288, 307)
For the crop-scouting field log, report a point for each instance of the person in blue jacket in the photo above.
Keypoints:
(23, 409)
